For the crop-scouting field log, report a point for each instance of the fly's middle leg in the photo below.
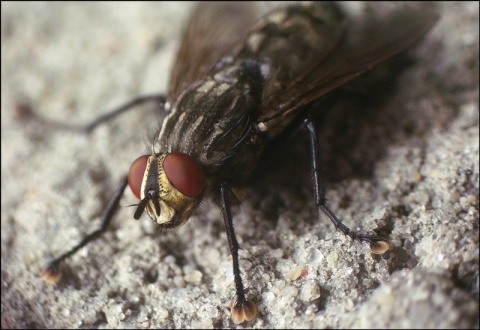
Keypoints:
(24, 111)
(378, 245)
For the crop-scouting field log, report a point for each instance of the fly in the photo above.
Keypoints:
(233, 89)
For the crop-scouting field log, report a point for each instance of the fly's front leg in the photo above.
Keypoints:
(243, 309)
(52, 273)
(378, 245)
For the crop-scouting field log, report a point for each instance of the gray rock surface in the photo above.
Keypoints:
(408, 166)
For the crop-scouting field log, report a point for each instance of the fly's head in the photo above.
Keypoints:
(169, 185)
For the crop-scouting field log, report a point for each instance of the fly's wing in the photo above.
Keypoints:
(367, 42)
(213, 29)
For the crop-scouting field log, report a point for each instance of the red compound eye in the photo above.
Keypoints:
(184, 173)
(135, 174)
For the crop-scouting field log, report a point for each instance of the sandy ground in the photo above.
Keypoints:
(407, 166)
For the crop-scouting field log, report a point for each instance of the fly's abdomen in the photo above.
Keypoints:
(290, 41)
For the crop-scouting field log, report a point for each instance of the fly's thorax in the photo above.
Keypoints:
(171, 188)
(214, 117)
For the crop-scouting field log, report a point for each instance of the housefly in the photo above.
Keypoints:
(235, 87)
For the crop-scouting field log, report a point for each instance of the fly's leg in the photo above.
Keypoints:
(26, 111)
(378, 245)
(52, 273)
(130, 105)
(243, 309)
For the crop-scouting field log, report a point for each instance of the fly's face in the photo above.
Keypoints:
(169, 185)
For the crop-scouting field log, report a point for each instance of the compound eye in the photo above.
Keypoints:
(184, 173)
(135, 175)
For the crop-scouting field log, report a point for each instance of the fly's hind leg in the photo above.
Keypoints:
(377, 244)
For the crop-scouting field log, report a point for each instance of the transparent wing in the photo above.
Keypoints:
(367, 42)
(213, 29)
